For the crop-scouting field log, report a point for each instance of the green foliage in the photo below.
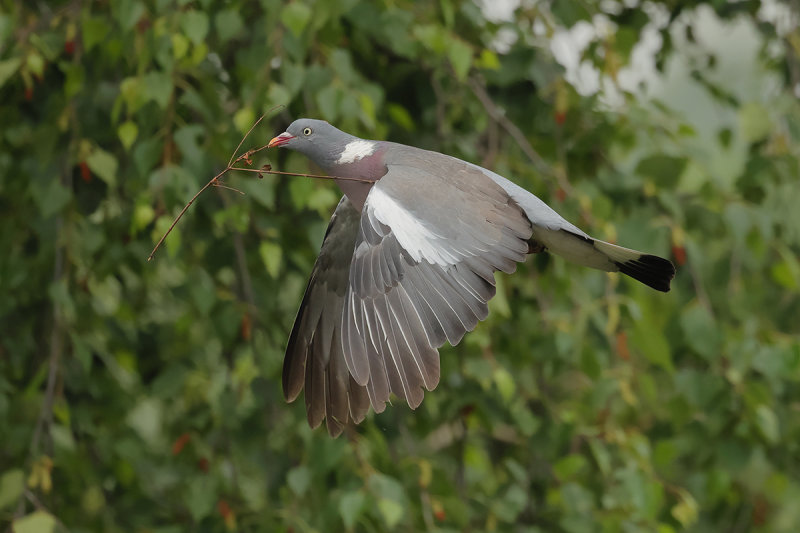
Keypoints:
(145, 396)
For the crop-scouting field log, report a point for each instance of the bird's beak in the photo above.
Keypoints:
(280, 140)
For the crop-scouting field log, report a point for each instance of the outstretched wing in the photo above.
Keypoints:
(432, 233)
(314, 357)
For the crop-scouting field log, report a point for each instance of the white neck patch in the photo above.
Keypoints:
(356, 150)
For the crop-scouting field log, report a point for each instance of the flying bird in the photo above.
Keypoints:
(408, 263)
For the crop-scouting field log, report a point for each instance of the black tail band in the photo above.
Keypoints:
(653, 271)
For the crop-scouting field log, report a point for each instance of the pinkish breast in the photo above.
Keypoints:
(370, 168)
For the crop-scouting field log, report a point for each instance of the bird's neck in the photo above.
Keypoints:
(360, 159)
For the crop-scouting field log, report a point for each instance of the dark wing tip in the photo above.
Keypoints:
(653, 271)
(334, 426)
(291, 390)
(293, 378)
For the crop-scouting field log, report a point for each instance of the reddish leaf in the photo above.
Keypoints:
(246, 327)
(679, 253)
(560, 117)
(227, 515)
(760, 511)
(622, 346)
(69, 47)
(202, 464)
(602, 416)
(438, 511)
(86, 174)
(143, 25)
(28, 93)
(223, 508)
(179, 443)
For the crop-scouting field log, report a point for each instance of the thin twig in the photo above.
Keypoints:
(249, 153)
(427, 514)
(223, 186)
(301, 175)
(440, 108)
(56, 342)
(37, 503)
(206, 186)
(215, 183)
(498, 115)
(699, 288)
(246, 135)
(45, 419)
(492, 145)
(248, 294)
(247, 157)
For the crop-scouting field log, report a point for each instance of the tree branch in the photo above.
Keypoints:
(246, 281)
(45, 418)
(247, 157)
(498, 114)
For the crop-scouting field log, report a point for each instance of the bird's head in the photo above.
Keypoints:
(316, 139)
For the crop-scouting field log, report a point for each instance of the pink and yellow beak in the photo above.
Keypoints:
(280, 140)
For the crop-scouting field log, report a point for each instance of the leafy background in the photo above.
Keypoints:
(145, 396)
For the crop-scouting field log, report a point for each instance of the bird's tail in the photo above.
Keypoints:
(653, 271)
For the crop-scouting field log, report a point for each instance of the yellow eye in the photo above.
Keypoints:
(306, 131)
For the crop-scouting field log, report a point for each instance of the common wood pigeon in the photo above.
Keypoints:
(408, 263)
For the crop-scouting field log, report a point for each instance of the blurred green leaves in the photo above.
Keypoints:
(36, 522)
(127, 132)
(296, 15)
(8, 67)
(104, 165)
(585, 402)
(195, 25)
(351, 506)
(299, 479)
(12, 483)
(229, 24)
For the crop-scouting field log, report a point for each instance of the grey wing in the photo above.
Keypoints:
(563, 238)
(432, 234)
(314, 357)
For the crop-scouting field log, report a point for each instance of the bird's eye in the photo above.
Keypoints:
(306, 131)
